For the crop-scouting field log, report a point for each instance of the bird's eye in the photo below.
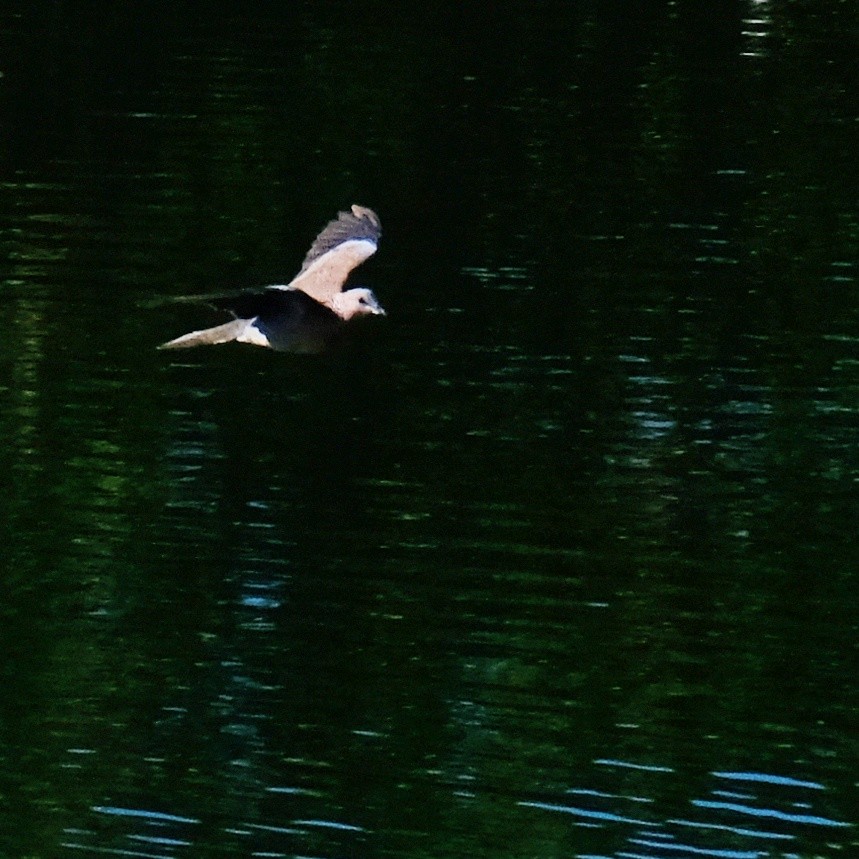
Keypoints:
(362, 301)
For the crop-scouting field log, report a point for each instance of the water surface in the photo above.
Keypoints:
(557, 559)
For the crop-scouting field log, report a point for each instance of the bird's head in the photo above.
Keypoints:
(356, 302)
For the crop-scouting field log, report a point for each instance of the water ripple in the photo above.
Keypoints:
(810, 819)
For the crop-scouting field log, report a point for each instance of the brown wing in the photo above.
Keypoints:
(344, 244)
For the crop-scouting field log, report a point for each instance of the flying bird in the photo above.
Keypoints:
(305, 314)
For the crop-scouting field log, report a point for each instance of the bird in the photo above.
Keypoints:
(306, 314)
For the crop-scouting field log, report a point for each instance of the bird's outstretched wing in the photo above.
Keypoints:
(285, 320)
(344, 244)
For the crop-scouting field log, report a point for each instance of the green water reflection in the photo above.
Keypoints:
(558, 560)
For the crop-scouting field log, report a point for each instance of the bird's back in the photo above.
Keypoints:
(288, 319)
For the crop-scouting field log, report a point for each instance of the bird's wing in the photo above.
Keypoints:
(344, 244)
(225, 333)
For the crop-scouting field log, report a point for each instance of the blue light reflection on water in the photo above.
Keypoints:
(699, 851)
(773, 824)
(607, 816)
(157, 816)
(767, 778)
(810, 819)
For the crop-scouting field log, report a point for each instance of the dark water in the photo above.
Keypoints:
(557, 560)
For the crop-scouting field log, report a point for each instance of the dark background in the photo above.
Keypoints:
(558, 559)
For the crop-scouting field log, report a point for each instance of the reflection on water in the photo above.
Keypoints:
(724, 827)
(557, 561)
(757, 29)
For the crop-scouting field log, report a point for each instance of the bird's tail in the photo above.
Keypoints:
(208, 336)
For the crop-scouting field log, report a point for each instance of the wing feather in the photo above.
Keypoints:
(342, 245)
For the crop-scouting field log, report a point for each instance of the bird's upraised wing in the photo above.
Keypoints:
(344, 244)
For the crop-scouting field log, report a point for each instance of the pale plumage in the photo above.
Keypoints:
(308, 312)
